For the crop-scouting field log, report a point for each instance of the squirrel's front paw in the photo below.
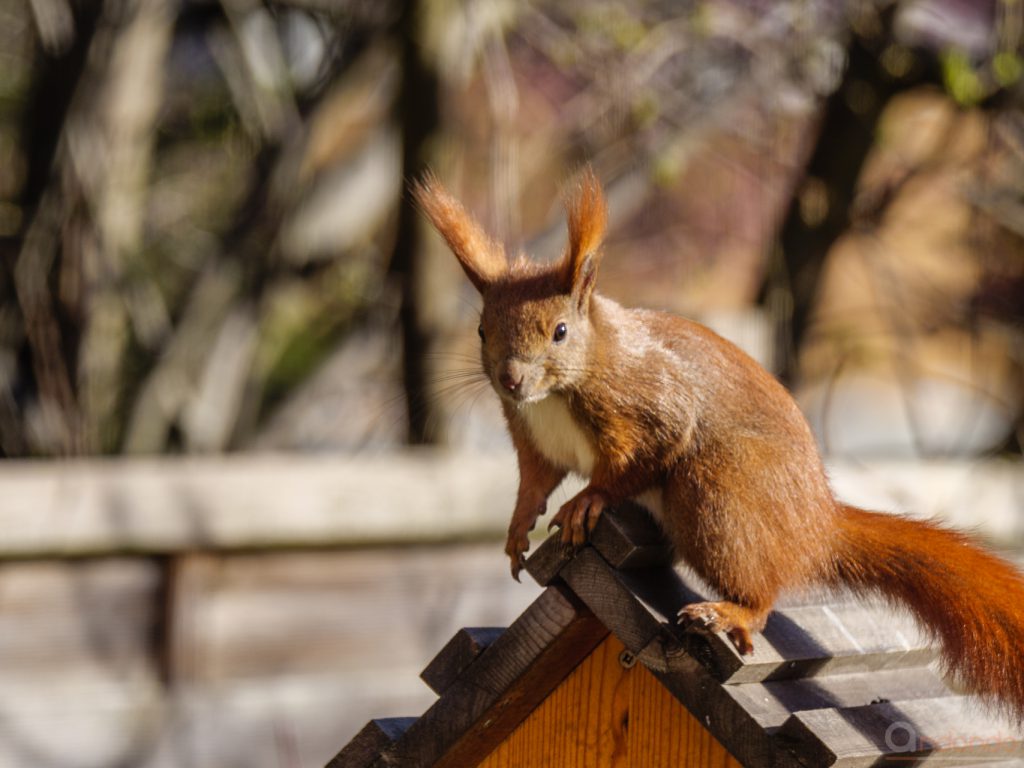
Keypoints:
(516, 548)
(579, 515)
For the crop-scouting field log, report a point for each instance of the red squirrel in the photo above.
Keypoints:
(650, 406)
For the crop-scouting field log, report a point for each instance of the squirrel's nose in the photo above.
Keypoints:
(510, 380)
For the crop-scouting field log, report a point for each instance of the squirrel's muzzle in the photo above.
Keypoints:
(513, 377)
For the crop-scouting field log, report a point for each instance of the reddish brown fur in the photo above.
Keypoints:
(967, 598)
(587, 216)
(642, 401)
(482, 259)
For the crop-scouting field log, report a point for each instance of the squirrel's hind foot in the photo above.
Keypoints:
(737, 621)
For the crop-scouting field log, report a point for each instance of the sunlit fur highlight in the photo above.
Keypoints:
(587, 216)
(481, 258)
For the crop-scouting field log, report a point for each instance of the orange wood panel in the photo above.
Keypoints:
(663, 733)
(604, 716)
(582, 724)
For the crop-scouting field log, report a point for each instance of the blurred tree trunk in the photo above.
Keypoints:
(46, 281)
(419, 117)
(821, 209)
(85, 204)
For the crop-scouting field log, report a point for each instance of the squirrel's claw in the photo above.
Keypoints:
(578, 516)
(516, 548)
(517, 567)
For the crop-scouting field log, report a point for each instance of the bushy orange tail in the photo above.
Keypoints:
(969, 599)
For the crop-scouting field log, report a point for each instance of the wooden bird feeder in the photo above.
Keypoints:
(596, 673)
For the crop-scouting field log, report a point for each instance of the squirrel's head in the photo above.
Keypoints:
(535, 326)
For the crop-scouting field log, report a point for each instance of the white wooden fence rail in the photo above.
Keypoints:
(287, 501)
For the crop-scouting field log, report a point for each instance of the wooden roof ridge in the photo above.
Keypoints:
(829, 683)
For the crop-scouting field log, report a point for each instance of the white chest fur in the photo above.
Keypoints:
(557, 435)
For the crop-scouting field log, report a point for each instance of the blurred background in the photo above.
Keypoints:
(251, 482)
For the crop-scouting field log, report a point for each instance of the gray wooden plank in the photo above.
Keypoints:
(506, 682)
(78, 614)
(547, 561)
(772, 702)
(919, 732)
(605, 593)
(628, 537)
(238, 616)
(458, 653)
(810, 640)
(798, 641)
(366, 746)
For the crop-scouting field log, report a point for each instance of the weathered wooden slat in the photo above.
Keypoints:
(502, 686)
(811, 640)
(919, 732)
(367, 745)
(547, 561)
(77, 615)
(771, 703)
(799, 641)
(233, 502)
(227, 503)
(626, 536)
(604, 592)
(457, 654)
(239, 616)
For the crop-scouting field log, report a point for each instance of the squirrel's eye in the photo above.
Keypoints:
(480, 332)
(560, 330)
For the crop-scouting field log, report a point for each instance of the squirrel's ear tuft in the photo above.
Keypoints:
(587, 216)
(481, 258)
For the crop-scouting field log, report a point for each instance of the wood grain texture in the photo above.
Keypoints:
(505, 684)
(632, 604)
(366, 745)
(584, 723)
(600, 587)
(664, 733)
(811, 640)
(628, 537)
(548, 560)
(606, 716)
(457, 654)
(692, 685)
(951, 730)
(771, 703)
